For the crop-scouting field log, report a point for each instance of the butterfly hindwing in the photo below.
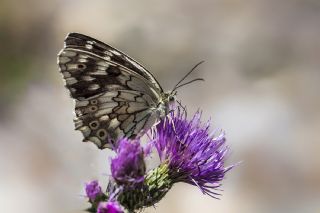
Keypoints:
(112, 115)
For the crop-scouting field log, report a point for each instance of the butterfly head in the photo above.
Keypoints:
(169, 99)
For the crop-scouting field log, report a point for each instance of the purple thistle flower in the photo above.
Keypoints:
(128, 167)
(194, 155)
(110, 207)
(93, 190)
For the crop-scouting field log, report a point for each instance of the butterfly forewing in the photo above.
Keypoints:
(110, 54)
(115, 96)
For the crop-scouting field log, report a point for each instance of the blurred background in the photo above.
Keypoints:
(262, 87)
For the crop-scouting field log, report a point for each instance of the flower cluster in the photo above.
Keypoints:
(189, 152)
(93, 190)
(129, 166)
(194, 155)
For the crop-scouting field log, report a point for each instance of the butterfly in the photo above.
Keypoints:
(115, 96)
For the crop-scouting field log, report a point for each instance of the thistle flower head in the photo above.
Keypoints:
(193, 154)
(110, 207)
(93, 190)
(128, 167)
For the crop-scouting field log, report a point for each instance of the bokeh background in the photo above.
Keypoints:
(262, 87)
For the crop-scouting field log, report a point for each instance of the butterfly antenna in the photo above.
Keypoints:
(189, 82)
(175, 87)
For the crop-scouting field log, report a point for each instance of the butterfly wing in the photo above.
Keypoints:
(85, 43)
(115, 96)
(109, 116)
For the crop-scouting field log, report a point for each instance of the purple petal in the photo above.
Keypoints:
(93, 190)
(128, 167)
(110, 207)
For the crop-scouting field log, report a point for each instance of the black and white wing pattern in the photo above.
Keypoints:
(114, 95)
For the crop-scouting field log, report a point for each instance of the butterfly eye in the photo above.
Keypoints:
(171, 98)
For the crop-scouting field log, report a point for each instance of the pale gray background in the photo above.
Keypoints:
(262, 87)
